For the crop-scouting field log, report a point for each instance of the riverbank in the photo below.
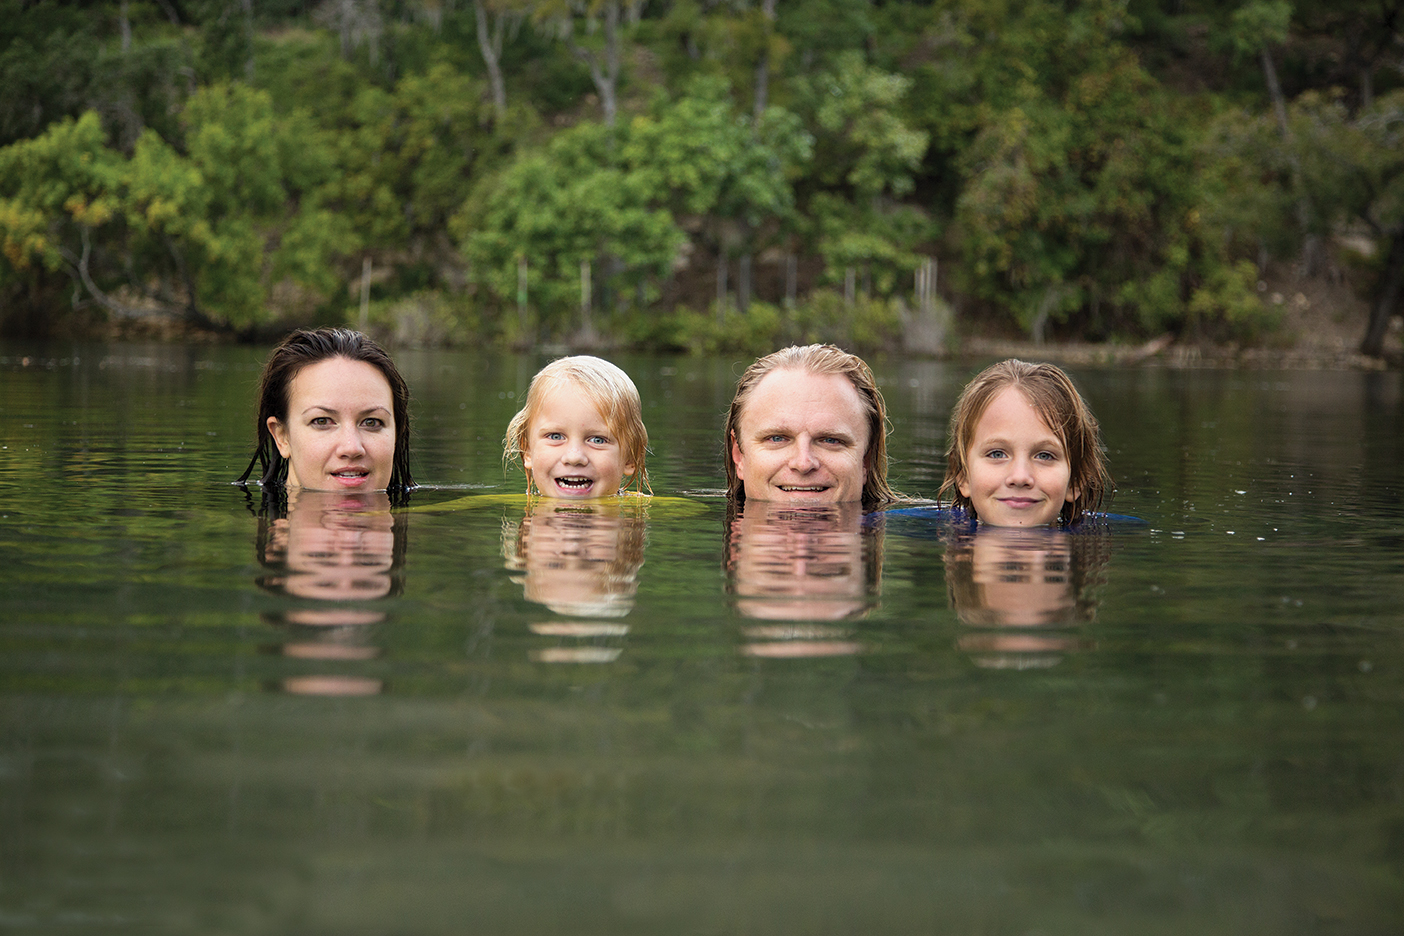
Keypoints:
(1320, 326)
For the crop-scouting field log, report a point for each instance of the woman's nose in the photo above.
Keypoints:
(350, 442)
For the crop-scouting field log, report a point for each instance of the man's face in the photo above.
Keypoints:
(802, 439)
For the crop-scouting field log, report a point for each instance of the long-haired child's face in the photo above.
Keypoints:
(1017, 470)
(570, 451)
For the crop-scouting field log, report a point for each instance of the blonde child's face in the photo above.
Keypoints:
(570, 451)
(1017, 472)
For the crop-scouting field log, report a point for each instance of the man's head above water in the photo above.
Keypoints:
(808, 426)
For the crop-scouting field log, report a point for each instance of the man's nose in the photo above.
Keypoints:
(802, 458)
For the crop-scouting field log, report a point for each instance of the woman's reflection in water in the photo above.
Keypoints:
(580, 561)
(1023, 590)
(806, 565)
(338, 550)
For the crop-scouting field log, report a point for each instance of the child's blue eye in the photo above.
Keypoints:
(599, 440)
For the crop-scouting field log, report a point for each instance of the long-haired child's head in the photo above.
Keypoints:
(614, 397)
(1053, 396)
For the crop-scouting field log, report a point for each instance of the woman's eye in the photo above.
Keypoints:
(995, 453)
(374, 422)
(321, 421)
(1046, 456)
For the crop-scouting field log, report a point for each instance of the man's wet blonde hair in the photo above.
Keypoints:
(1054, 397)
(612, 394)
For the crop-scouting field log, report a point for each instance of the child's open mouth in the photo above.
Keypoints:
(575, 485)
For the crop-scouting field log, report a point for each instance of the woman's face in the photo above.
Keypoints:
(340, 429)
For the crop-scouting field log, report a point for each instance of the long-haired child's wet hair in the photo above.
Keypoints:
(612, 394)
(298, 350)
(1052, 394)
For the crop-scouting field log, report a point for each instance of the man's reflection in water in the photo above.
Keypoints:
(582, 561)
(804, 565)
(1023, 588)
(340, 549)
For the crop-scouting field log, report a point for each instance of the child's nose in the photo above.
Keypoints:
(1019, 471)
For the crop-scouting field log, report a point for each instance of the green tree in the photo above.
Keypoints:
(573, 202)
(1080, 190)
(866, 159)
(729, 173)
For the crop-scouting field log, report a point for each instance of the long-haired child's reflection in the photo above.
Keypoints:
(809, 566)
(1023, 592)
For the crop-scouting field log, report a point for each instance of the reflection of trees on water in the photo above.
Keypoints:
(1022, 592)
(582, 561)
(338, 550)
(803, 565)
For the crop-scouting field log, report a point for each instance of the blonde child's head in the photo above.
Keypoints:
(576, 393)
(1055, 400)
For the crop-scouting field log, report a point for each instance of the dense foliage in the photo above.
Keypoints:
(694, 174)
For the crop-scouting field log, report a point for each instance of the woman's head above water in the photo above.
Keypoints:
(333, 414)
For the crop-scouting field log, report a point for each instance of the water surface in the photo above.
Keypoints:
(481, 716)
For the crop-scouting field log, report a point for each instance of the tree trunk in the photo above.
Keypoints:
(604, 66)
(1387, 300)
(491, 46)
(763, 66)
(743, 283)
(1279, 106)
(721, 287)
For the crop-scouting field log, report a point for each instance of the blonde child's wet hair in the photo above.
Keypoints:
(612, 394)
(1055, 398)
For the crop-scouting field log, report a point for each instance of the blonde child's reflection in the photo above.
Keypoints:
(332, 547)
(1022, 588)
(579, 561)
(803, 565)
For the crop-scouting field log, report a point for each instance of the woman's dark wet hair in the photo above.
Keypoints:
(304, 347)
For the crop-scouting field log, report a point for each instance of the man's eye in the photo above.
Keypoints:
(776, 438)
(830, 440)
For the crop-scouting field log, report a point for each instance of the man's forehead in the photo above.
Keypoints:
(793, 388)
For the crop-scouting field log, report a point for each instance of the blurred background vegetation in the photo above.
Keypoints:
(699, 175)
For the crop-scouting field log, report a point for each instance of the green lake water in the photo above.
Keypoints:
(472, 717)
